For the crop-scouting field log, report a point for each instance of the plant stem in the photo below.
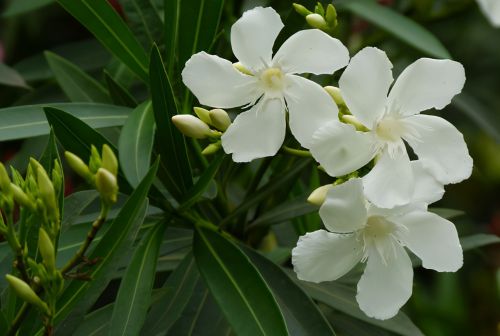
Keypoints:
(296, 152)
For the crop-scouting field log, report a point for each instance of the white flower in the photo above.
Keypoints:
(425, 84)
(359, 231)
(269, 84)
(491, 9)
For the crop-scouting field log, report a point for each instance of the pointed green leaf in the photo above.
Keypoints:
(237, 286)
(136, 143)
(108, 27)
(11, 77)
(144, 20)
(24, 6)
(396, 24)
(171, 144)
(76, 84)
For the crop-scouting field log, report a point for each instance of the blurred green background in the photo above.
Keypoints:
(463, 303)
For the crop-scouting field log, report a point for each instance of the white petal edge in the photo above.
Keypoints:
(427, 189)
(215, 82)
(365, 83)
(256, 133)
(340, 149)
(425, 84)
(491, 9)
(441, 148)
(253, 36)
(325, 256)
(344, 209)
(311, 51)
(309, 107)
(385, 287)
(433, 239)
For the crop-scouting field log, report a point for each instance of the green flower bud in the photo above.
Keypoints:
(318, 196)
(334, 92)
(47, 193)
(301, 9)
(95, 160)
(109, 160)
(212, 148)
(331, 16)
(203, 114)
(316, 21)
(25, 292)
(191, 126)
(107, 185)
(57, 177)
(319, 9)
(220, 119)
(21, 198)
(4, 180)
(46, 249)
(241, 68)
(78, 166)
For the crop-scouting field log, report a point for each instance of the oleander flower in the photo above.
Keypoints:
(390, 119)
(491, 9)
(267, 84)
(359, 231)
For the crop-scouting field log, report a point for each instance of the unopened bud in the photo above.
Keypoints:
(212, 148)
(21, 198)
(47, 193)
(109, 160)
(203, 114)
(191, 126)
(220, 119)
(241, 68)
(78, 166)
(57, 177)
(334, 92)
(318, 196)
(331, 16)
(46, 249)
(107, 185)
(316, 21)
(4, 179)
(25, 292)
(350, 119)
(301, 9)
(95, 160)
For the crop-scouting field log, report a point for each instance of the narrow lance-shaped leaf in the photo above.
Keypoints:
(176, 170)
(237, 286)
(11, 77)
(396, 24)
(75, 83)
(107, 26)
(144, 21)
(136, 143)
(134, 295)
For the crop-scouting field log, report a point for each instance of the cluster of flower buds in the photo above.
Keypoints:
(101, 172)
(209, 124)
(321, 18)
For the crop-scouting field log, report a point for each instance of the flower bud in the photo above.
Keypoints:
(46, 190)
(241, 68)
(78, 166)
(109, 160)
(4, 180)
(46, 249)
(331, 16)
(212, 148)
(203, 114)
(95, 160)
(301, 9)
(334, 92)
(191, 126)
(220, 119)
(107, 185)
(316, 21)
(25, 292)
(21, 198)
(318, 196)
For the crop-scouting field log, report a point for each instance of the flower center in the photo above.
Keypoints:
(381, 236)
(272, 79)
(390, 129)
(378, 227)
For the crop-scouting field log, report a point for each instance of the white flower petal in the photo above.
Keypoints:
(425, 84)
(256, 133)
(433, 239)
(390, 183)
(340, 149)
(385, 287)
(324, 256)
(344, 209)
(311, 51)
(365, 83)
(309, 106)
(253, 36)
(441, 148)
(491, 9)
(427, 189)
(215, 82)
